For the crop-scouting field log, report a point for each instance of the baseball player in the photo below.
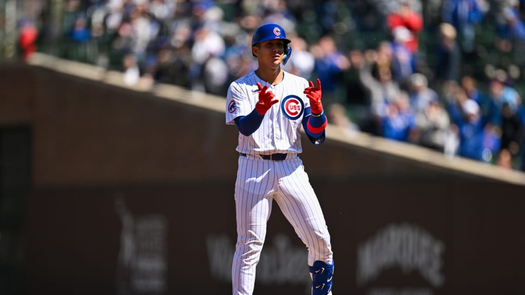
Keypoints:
(269, 106)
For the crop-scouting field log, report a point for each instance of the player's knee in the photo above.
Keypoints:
(251, 243)
(321, 277)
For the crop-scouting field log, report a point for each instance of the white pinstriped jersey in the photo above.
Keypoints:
(280, 128)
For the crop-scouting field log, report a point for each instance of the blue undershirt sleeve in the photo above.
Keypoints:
(249, 123)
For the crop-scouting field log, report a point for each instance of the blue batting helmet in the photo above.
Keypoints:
(269, 32)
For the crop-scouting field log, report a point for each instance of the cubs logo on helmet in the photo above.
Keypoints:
(292, 107)
(232, 106)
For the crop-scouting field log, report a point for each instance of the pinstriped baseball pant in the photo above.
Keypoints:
(259, 182)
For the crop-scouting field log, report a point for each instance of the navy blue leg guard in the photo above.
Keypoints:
(322, 278)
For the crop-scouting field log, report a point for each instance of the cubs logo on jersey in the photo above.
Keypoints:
(292, 107)
(232, 107)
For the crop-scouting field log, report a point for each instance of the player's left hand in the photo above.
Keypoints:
(314, 94)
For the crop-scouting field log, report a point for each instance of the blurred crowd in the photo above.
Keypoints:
(407, 70)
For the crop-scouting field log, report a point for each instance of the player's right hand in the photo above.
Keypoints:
(266, 99)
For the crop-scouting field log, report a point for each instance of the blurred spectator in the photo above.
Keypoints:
(402, 58)
(491, 142)
(113, 17)
(302, 61)
(455, 97)
(469, 84)
(356, 98)
(276, 11)
(72, 11)
(464, 15)
(162, 9)
(509, 26)
(131, 70)
(330, 63)
(376, 78)
(181, 61)
(399, 121)
(80, 32)
(409, 19)
(367, 16)
(382, 57)
(121, 44)
(388, 6)
(511, 130)
(432, 126)
(165, 70)
(75, 31)
(237, 52)
(213, 76)
(504, 159)
(451, 144)
(420, 94)
(27, 38)
(337, 116)
(500, 93)
(79, 41)
(448, 56)
(213, 18)
(327, 12)
(471, 131)
(96, 17)
(207, 45)
(143, 29)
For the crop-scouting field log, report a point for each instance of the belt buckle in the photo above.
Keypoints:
(279, 157)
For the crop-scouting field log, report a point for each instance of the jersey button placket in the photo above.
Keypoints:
(278, 118)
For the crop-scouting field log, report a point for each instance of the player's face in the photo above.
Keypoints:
(270, 52)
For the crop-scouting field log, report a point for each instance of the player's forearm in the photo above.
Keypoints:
(248, 124)
(316, 124)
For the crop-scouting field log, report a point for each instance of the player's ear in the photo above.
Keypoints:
(255, 50)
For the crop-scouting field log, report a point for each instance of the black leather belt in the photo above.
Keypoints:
(272, 157)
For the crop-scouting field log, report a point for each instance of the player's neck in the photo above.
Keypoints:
(271, 76)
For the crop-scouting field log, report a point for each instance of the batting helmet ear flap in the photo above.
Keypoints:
(287, 54)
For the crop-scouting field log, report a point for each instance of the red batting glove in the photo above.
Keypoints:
(314, 94)
(266, 100)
